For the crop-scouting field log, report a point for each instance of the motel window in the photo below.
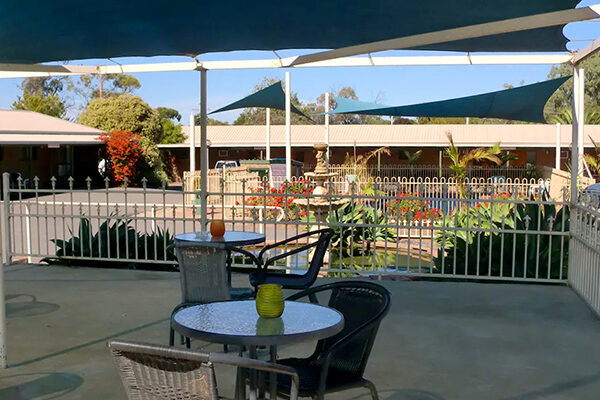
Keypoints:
(223, 153)
(531, 157)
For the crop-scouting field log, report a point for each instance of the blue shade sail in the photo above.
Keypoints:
(41, 30)
(270, 97)
(525, 103)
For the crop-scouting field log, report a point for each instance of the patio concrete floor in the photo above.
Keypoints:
(441, 340)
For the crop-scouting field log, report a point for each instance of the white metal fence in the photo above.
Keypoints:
(429, 171)
(494, 235)
(584, 263)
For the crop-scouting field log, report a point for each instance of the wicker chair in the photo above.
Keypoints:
(152, 372)
(202, 278)
(290, 281)
(338, 363)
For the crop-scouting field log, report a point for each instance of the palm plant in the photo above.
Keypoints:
(412, 158)
(593, 160)
(462, 159)
(565, 116)
(360, 162)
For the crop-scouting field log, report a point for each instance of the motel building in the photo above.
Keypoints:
(535, 144)
(34, 144)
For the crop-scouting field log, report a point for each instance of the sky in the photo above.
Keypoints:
(387, 85)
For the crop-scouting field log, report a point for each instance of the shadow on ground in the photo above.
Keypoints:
(38, 386)
(26, 305)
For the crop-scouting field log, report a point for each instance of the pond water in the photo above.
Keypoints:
(391, 261)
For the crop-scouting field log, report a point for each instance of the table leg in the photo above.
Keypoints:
(240, 381)
(228, 262)
(253, 374)
(272, 375)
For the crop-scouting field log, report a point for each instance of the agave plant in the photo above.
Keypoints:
(115, 239)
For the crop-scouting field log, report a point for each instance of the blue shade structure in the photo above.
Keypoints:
(525, 103)
(270, 97)
(40, 30)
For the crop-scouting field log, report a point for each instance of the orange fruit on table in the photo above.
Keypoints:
(217, 228)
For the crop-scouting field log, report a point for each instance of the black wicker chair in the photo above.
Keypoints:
(290, 281)
(338, 363)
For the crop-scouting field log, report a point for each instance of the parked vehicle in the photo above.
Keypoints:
(227, 163)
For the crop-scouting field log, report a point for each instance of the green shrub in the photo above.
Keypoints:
(477, 248)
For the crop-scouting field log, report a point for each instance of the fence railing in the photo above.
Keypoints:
(495, 236)
(428, 171)
(584, 262)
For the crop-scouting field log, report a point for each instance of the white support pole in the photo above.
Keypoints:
(557, 149)
(288, 127)
(5, 261)
(192, 139)
(203, 152)
(575, 135)
(268, 134)
(327, 127)
(581, 120)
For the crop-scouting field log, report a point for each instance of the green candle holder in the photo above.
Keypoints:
(269, 301)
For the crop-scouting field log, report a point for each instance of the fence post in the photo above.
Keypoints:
(5, 226)
(28, 230)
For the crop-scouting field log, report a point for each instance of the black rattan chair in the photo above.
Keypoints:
(290, 281)
(338, 362)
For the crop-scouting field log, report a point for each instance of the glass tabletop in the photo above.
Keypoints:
(231, 238)
(237, 322)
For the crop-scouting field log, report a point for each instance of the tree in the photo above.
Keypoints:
(562, 98)
(123, 153)
(130, 113)
(106, 85)
(46, 104)
(209, 121)
(169, 119)
(42, 95)
(168, 113)
(462, 159)
(412, 158)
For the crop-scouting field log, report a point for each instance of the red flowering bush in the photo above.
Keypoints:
(282, 197)
(407, 207)
(123, 153)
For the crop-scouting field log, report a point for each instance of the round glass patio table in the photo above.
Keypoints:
(238, 323)
(228, 240)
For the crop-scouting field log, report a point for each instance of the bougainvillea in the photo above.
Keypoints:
(123, 153)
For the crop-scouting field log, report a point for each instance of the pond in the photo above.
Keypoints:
(392, 261)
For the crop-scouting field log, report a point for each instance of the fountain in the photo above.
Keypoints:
(320, 206)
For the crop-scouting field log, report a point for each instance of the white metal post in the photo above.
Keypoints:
(192, 139)
(268, 135)
(557, 149)
(288, 127)
(581, 119)
(6, 260)
(203, 151)
(575, 134)
(327, 127)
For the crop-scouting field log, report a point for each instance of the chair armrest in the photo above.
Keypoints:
(291, 239)
(256, 260)
(297, 250)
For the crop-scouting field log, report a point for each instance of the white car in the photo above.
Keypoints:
(227, 163)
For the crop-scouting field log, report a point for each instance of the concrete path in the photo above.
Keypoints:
(441, 340)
